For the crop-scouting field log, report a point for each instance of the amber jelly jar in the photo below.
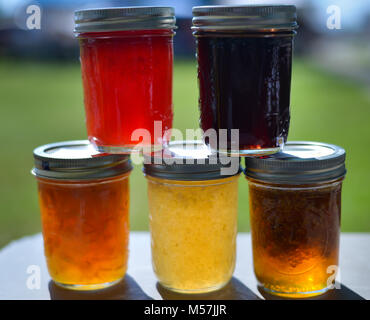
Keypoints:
(193, 219)
(244, 58)
(295, 209)
(84, 203)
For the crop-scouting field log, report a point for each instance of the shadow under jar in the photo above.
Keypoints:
(295, 209)
(193, 218)
(84, 204)
(127, 65)
(244, 58)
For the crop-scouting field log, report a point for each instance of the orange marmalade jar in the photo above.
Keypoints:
(295, 209)
(84, 203)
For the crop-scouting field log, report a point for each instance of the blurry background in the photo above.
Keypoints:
(41, 98)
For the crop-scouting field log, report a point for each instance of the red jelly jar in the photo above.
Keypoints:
(126, 64)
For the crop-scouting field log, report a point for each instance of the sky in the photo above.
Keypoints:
(353, 12)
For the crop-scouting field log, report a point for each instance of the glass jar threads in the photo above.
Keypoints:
(295, 208)
(244, 70)
(193, 219)
(84, 203)
(126, 64)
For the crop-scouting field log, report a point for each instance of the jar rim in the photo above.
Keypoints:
(192, 183)
(294, 186)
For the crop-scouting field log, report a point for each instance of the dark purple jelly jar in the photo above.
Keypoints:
(244, 70)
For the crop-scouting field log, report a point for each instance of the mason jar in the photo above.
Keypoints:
(84, 204)
(193, 218)
(126, 65)
(295, 210)
(244, 58)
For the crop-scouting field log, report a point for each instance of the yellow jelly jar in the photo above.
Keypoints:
(193, 221)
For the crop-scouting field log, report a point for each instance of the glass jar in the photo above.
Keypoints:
(244, 70)
(295, 209)
(126, 64)
(84, 204)
(193, 219)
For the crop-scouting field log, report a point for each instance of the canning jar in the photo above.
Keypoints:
(244, 58)
(193, 219)
(126, 64)
(295, 209)
(84, 204)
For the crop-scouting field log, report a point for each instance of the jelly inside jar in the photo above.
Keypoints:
(127, 80)
(193, 230)
(295, 236)
(244, 83)
(85, 226)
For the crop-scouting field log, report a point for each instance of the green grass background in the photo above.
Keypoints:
(43, 103)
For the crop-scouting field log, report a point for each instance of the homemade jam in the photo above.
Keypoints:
(244, 70)
(127, 65)
(295, 208)
(193, 222)
(84, 204)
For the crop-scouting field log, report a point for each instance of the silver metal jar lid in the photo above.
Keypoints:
(125, 18)
(77, 160)
(300, 162)
(271, 18)
(190, 160)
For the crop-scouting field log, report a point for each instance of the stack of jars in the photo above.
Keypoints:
(244, 70)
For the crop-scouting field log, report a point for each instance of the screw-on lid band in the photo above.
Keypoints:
(272, 18)
(190, 161)
(129, 18)
(77, 160)
(300, 162)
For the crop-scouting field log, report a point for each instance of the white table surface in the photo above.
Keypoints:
(140, 281)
